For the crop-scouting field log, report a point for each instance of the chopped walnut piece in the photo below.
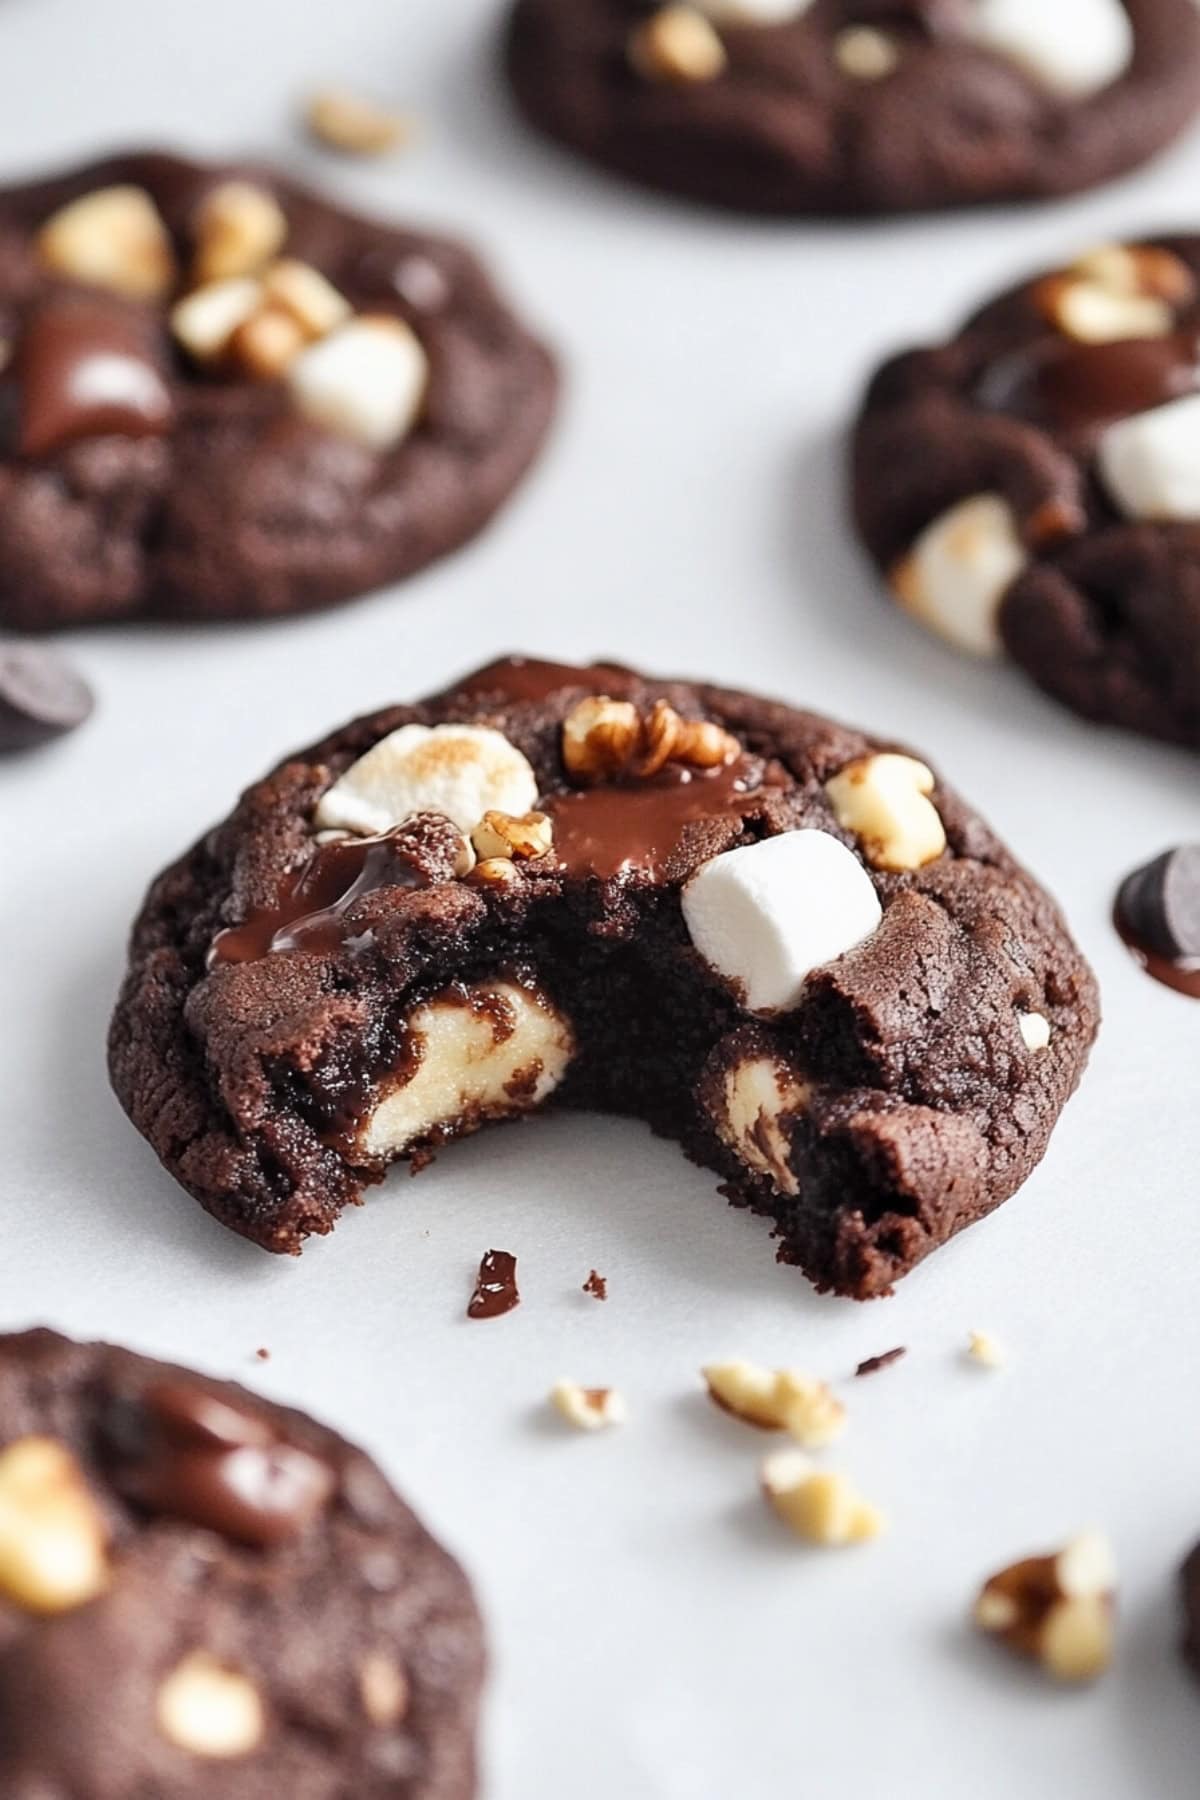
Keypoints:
(1058, 1609)
(605, 738)
(355, 125)
(588, 1409)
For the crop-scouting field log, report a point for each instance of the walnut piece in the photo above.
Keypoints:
(112, 238)
(500, 834)
(1057, 1610)
(239, 227)
(777, 1400)
(820, 1505)
(210, 1710)
(884, 800)
(1116, 292)
(677, 44)
(53, 1541)
(604, 738)
(353, 124)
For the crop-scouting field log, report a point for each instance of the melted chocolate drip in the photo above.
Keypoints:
(83, 369)
(1079, 388)
(310, 910)
(620, 830)
(1179, 972)
(525, 678)
(496, 1291)
(185, 1453)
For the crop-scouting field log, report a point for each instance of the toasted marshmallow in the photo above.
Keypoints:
(956, 574)
(497, 1051)
(366, 380)
(758, 1094)
(1074, 47)
(461, 771)
(1150, 463)
(764, 916)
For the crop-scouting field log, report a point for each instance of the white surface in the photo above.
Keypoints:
(656, 1633)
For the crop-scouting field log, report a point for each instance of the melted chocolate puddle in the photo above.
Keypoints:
(1080, 388)
(309, 913)
(609, 831)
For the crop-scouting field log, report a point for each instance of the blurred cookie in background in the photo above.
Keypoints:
(224, 397)
(849, 106)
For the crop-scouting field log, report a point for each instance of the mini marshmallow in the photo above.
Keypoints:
(956, 574)
(460, 771)
(752, 12)
(764, 916)
(367, 380)
(1074, 47)
(1150, 463)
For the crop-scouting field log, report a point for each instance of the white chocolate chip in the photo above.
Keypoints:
(492, 1052)
(210, 1710)
(1035, 1030)
(53, 1542)
(985, 1350)
(884, 800)
(205, 320)
(778, 1400)
(461, 771)
(677, 44)
(766, 915)
(1150, 463)
(239, 227)
(1074, 47)
(760, 1095)
(1057, 1610)
(367, 380)
(588, 1409)
(865, 54)
(958, 571)
(821, 1506)
(112, 238)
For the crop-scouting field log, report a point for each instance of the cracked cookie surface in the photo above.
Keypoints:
(833, 106)
(224, 397)
(1027, 485)
(792, 949)
(206, 1595)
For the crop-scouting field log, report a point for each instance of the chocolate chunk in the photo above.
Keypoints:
(83, 370)
(41, 697)
(1159, 905)
(496, 1290)
(874, 1363)
(191, 1455)
(1190, 1582)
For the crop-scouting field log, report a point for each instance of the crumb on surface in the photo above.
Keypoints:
(874, 1363)
(596, 1285)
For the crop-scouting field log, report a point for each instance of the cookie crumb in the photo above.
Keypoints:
(496, 1289)
(263, 1355)
(882, 1361)
(596, 1285)
(984, 1349)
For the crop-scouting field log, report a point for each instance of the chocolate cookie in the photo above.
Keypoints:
(1034, 485)
(773, 938)
(847, 106)
(223, 397)
(204, 1594)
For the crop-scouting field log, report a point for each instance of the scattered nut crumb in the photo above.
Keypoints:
(356, 126)
(1057, 1610)
(984, 1349)
(589, 1409)
(501, 835)
(263, 1355)
(882, 1361)
(777, 1400)
(819, 1505)
(596, 1285)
